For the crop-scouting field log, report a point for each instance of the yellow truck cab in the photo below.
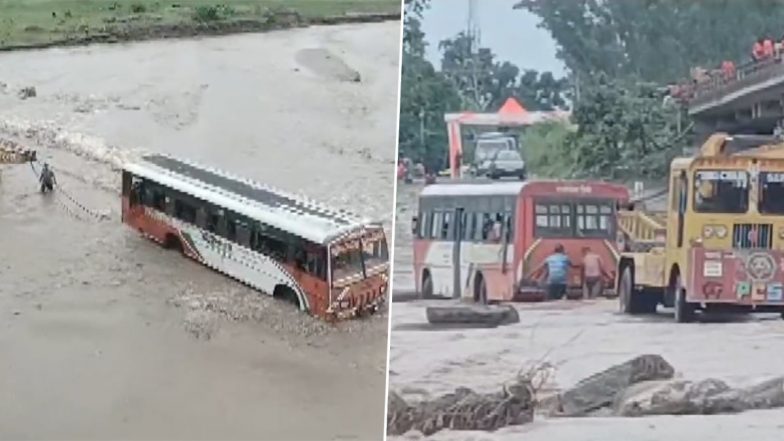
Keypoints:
(720, 243)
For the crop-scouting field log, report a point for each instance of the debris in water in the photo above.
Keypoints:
(27, 92)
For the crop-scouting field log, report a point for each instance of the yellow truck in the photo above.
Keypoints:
(720, 243)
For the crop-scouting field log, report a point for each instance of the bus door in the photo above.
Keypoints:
(457, 234)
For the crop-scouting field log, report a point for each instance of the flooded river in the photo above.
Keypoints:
(106, 335)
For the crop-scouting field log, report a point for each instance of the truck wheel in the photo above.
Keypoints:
(684, 311)
(632, 301)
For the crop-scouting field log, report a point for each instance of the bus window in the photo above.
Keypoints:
(426, 223)
(554, 219)
(594, 220)
(771, 200)
(243, 233)
(347, 261)
(214, 220)
(135, 188)
(270, 246)
(721, 191)
(201, 217)
(508, 227)
(494, 231)
(316, 263)
(445, 226)
(435, 229)
(466, 225)
(375, 253)
(159, 198)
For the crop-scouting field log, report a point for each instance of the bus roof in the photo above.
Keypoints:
(295, 214)
(513, 188)
(478, 188)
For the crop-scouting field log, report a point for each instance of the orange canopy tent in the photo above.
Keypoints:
(511, 114)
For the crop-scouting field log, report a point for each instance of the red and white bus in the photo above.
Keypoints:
(506, 231)
(331, 263)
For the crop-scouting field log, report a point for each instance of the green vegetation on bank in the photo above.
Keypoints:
(43, 22)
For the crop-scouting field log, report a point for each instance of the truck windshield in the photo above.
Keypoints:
(771, 199)
(488, 149)
(721, 191)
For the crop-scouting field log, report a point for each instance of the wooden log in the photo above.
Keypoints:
(473, 315)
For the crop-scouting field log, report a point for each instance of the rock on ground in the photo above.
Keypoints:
(705, 397)
(601, 389)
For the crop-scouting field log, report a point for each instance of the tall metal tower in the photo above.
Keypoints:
(472, 26)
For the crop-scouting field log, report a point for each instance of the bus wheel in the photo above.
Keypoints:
(288, 295)
(427, 286)
(482, 291)
(172, 242)
(684, 311)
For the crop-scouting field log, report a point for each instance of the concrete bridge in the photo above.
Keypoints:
(750, 103)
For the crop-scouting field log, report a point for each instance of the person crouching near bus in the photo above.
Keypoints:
(593, 273)
(557, 267)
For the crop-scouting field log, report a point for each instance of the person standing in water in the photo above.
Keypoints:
(47, 179)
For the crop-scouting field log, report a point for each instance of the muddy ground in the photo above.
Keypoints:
(106, 335)
(578, 339)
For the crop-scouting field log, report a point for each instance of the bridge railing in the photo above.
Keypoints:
(748, 74)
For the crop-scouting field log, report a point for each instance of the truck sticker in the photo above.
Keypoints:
(759, 290)
(743, 289)
(775, 292)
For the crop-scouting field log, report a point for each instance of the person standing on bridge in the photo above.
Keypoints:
(47, 179)
(758, 51)
(768, 49)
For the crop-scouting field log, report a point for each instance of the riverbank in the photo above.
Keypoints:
(39, 24)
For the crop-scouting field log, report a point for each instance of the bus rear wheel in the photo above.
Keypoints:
(480, 290)
(427, 286)
(632, 301)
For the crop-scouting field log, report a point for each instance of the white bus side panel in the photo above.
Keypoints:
(439, 260)
(257, 270)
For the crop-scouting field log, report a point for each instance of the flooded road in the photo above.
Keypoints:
(579, 338)
(106, 335)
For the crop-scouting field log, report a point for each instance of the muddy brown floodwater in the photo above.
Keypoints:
(578, 339)
(105, 335)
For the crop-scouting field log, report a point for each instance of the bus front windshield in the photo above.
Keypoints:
(771, 199)
(359, 258)
(721, 191)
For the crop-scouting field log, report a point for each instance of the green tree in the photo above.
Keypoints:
(656, 40)
(623, 131)
(485, 83)
(425, 96)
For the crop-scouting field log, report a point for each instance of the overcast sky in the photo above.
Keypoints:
(511, 34)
